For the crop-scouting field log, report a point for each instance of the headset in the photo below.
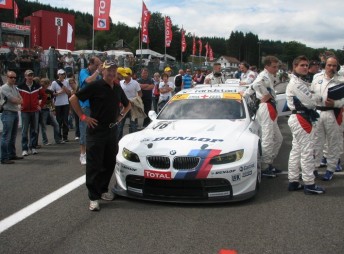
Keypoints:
(333, 56)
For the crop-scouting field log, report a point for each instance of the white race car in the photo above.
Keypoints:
(204, 146)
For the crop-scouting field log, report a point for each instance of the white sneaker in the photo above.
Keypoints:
(83, 159)
(34, 151)
(94, 205)
(25, 153)
(108, 196)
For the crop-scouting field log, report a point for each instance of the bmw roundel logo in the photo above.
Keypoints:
(173, 152)
(101, 23)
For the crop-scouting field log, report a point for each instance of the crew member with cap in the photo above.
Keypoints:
(33, 97)
(168, 71)
(215, 77)
(101, 143)
(62, 91)
(132, 90)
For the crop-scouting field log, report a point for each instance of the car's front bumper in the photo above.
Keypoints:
(213, 190)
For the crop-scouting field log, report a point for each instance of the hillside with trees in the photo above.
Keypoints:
(243, 46)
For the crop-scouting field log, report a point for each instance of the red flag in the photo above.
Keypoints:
(16, 10)
(6, 4)
(144, 21)
(101, 15)
(183, 41)
(194, 45)
(168, 31)
(200, 46)
(211, 54)
(206, 50)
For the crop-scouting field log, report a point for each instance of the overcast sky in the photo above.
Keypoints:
(315, 23)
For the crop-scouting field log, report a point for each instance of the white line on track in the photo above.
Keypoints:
(38, 205)
(43, 202)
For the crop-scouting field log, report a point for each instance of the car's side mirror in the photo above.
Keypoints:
(152, 115)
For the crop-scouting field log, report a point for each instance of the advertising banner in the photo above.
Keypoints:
(101, 15)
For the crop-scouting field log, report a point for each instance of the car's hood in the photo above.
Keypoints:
(183, 136)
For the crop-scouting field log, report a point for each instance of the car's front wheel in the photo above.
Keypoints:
(259, 168)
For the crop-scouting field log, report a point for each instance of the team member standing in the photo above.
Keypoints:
(187, 80)
(328, 127)
(69, 64)
(247, 76)
(302, 103)
(101, 143)
(178, 80)
(132, 90)
(267, 114)
(10, 119)
(147, 85)
(33, 97)
(62, 91)
(156, 93)
(199, 77)
(215, 77)
(48, 112)
(165, 88)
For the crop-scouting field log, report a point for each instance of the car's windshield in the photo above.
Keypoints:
(203, 109)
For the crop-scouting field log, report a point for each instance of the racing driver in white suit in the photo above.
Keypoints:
(215, 77)
(302, 103)
(328, 126)
(267, 114)
(247, 76)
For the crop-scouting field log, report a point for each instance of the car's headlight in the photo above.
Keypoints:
(227, 157)
(130, 156)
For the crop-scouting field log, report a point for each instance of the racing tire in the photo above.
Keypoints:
(259, 168)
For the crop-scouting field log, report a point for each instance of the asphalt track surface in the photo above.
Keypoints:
(275, 221)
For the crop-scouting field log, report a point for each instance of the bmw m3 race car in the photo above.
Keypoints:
(203, 146)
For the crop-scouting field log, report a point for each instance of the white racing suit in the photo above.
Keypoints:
(328, 126)
(248, 77)
(302, 104)
(267, 117)
(213, 80)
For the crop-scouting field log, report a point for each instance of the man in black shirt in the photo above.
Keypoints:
(101, 144)
(147, 85)
(178, 81)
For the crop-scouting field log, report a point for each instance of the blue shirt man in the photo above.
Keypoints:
(86, 76)
(187, 80)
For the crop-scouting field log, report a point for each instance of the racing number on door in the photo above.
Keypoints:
(161, 125)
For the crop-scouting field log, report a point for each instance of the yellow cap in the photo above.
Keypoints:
(167, 69)
(122, 72)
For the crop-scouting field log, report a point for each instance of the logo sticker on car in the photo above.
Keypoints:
(158, 175)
